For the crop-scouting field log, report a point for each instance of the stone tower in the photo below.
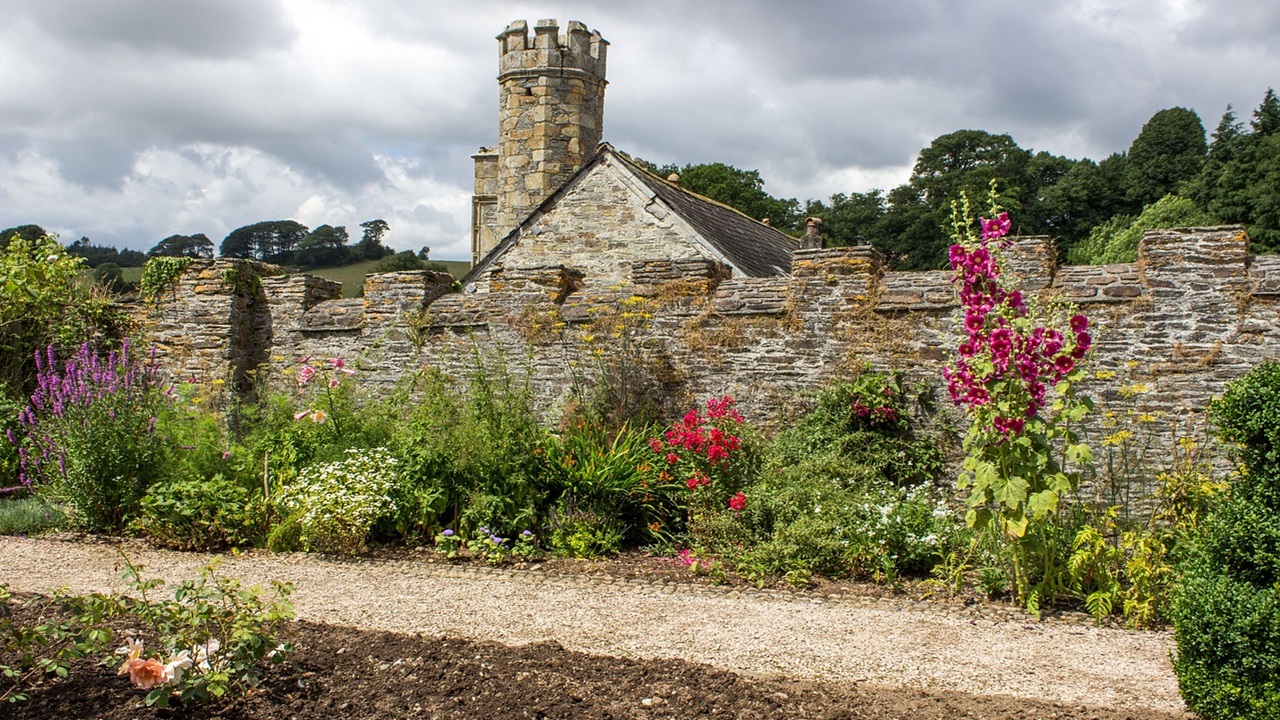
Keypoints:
(550, 115)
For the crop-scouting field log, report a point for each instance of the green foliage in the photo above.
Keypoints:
(1165, 156)
(846, 491)
(162, 272)
(1116, 241)
(1240, 182)
(1226, 611)
(848, 219)
(66, 628)
(477, 444)
(333, 507)
(89, 440)
(1248, 416)
(581, 530)
(1226, 615)
(198, 514)
(742, 190)
(224, 635)
(407, 260)
(30, 516)
(273, 241)
(609, 473)
(45, 301)
(197, 246)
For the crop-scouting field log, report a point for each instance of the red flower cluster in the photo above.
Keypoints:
(998, 347)
(704, 442)
(698, 435)
(738, 502)
(876, 415)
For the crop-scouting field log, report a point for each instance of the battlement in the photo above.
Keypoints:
(577, 50)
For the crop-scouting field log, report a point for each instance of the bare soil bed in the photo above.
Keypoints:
(403, 633)
(348, 673)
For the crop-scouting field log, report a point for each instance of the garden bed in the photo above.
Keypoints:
(350, 673)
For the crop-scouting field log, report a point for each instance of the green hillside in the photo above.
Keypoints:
(351, 276)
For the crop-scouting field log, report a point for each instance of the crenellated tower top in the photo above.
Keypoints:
(578, 49)
(550, 116)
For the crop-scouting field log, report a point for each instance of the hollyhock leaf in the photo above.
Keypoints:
(1079, 453)
(1016, 526)
(1042, 503)
(1012, 492)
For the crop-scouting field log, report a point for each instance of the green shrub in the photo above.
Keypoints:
(1226, 611)
(222, 634)
(610, 471)
(473, 448)
(582, 531)
(29, 516)
(847, 490)
(1116, 241)
(200, 514)
(44, 301)
(90, 435)
(333, 507)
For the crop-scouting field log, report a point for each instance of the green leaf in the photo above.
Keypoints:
(1079, 453)
(1011, 492)
(1015, 525)
(1042, 503)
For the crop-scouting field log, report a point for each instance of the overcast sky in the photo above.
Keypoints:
(130, 120)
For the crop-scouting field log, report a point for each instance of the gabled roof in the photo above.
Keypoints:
(758, 250)
(749, 246)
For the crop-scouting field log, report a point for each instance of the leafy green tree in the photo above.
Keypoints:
(967, 161)
(109, 276)
(197, 246)
(1168, 153)
(273, 241)
(848, 219)
(326, 246)
(1266, 119)
(45, 301)
(742, 190)
(1240, 182)
(30, 233)
(370, 246)
(403, 260)
(1087, 196)
(910, 232)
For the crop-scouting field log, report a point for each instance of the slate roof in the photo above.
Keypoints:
(753, 248)
(756, 249)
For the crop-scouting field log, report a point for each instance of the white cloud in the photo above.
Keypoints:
(127, 121)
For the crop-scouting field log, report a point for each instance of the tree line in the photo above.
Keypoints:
(1171, 175)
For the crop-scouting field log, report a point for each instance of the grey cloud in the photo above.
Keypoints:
(225, 28)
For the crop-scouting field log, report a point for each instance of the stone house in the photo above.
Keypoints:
(551, 193)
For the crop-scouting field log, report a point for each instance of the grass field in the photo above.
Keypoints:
(351, 276)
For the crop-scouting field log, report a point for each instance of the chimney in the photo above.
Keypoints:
(812, 239)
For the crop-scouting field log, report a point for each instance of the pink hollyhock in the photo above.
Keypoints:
(997, 227)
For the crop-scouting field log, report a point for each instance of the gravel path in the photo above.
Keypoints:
(880, 642)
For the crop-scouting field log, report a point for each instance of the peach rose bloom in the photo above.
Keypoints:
(145, 674)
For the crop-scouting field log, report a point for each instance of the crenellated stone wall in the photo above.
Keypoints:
(1194, 312)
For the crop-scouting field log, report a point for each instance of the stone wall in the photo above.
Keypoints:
(1194, 312)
